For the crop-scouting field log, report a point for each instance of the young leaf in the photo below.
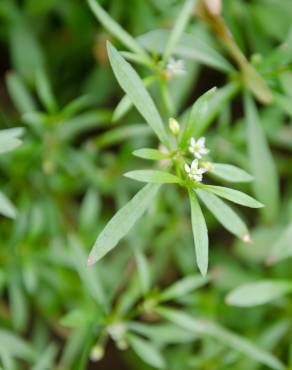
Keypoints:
(212, 330)
(152, 154)
(200, 233)
(263, 169)
(183, 287)
(146, 351)
(230, 173)
(46, 359)
(6, 207)
(224, 214)
(153, 176)
(143, 269)
(258, 293)
(198, 113)
(115, 29)
(234, 196)
(178, 29)
(134, 88)
(122, 222)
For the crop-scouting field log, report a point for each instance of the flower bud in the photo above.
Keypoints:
(96, 353)
(173, 126)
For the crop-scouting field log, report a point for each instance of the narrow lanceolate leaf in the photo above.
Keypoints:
(153, 176)
(146, 351)
(152, 154)
(44, 91)
(183, 287)
(200, 233)
(224, 214)
(230, 173)
(258, 293)
(198, 113)
(6, 207)
(224, 336)
(283, 247)
(19, 93)
(134, 88)
(263, 168)
(234, 196)
(91, 282)
(143, 269)
(178, 28)
(122, 222)
(115, 29)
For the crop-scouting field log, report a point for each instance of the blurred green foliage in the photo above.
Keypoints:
(67, 136)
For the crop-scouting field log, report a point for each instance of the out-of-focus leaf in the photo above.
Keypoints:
(46, 359)
(146, 351)
(282, 248)
(188, 47)
(258, 293)
(115, 29)
(224, 214)
(6, 207)
(234, 196)
(89, 277)
(16, 346)
(183, 287)
(200, 233)
(19, 93)
(210, 329)
(143, 269)
(152, 154)
(178, 29)
(230, 173)
(44, 91)
(122, 222)
(9, 139)
(78, 318)
(153, 176)
(263, 169)
(134, 88)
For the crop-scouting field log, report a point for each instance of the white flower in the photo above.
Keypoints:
(197, 147)
(176, 67)
(194, 172)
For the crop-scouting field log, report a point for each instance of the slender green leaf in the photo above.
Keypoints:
(134, 88)
(44, 91)
(9, 139)
(146, 351)
(16, 346)
(258, 293)
(153, 176)
(263, 169)
(122, 222)
(283, 247)
(199, 111)
(115, 29)
(179, 26)
(224, 214)
(19, 93)
(183, 287)
(189, 46)
(200, 233)
(143, 269)
(212, 330)
(234, 196)
(152, 154)
(230, 173)
(89, 277)
(46, 359)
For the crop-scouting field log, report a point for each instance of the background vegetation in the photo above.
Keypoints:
(67, 137)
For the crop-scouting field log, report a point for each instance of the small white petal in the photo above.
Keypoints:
(193, 141)
(201, 141)
(198, 155)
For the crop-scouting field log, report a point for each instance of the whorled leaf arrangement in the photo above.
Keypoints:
(185, 163)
